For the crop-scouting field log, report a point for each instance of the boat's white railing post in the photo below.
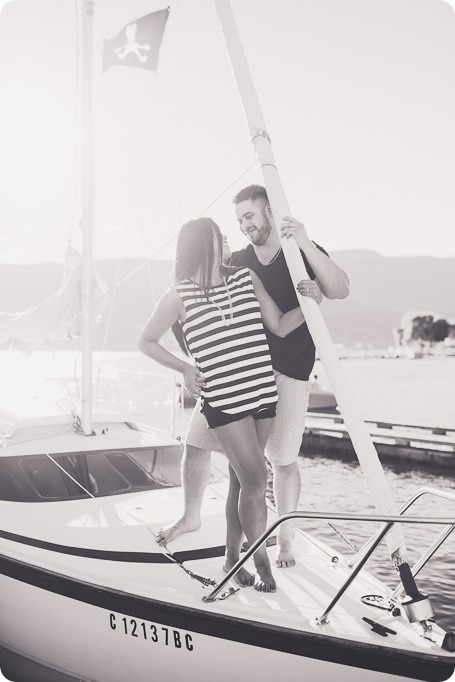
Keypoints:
(360, 436)
(87, 216)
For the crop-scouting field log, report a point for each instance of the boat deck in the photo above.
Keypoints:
(95, 550)
(101, 553)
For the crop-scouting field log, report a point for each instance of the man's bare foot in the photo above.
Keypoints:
(243, 577)
(285, 556)
(171, 532)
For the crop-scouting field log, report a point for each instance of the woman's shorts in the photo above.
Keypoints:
(285, 438)
(216, 417)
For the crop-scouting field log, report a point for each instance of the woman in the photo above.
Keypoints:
(217, 314)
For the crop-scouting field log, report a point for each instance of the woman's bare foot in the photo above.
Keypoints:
(174, 530)
(266, 582)
(243, 577)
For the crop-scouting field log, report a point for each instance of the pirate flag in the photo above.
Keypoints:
(138, 43)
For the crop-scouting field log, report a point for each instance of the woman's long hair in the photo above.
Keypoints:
(195, 254)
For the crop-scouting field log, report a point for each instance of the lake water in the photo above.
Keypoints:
(404, 391)
(408, 391)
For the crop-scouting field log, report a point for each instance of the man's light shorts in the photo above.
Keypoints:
(285, 439)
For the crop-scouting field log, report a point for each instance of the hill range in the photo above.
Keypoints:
(383, 288)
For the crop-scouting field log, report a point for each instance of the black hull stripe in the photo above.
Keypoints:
(309, 645)
(110, 555)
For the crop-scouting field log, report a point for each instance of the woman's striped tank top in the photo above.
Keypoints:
(226, 338)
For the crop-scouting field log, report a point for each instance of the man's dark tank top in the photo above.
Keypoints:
(293, 355)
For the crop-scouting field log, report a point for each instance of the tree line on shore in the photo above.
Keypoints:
(424, 329)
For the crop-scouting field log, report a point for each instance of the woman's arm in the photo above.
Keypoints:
(169, 309)
(278, 323)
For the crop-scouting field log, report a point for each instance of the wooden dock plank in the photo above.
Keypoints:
(400, 442)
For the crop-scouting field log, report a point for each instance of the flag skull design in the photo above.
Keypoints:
(131, 45)
(138, 43)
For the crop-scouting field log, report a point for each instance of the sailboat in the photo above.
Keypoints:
(86, 593)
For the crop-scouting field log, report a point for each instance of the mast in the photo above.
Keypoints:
(88, 7)
(360, 437)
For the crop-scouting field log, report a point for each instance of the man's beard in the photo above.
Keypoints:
(260, 235)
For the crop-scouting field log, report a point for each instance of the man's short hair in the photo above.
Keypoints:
(251, 193)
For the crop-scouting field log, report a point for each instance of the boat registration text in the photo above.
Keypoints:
(149, 631)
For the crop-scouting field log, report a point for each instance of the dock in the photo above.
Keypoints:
(425, 445)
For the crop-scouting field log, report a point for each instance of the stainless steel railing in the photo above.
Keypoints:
(406, 505)
(367, 550)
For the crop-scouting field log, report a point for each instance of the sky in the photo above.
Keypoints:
(358, 98)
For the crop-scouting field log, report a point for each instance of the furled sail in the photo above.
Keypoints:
(55, 318)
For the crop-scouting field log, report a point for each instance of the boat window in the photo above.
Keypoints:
(36, 478)
(47, 479)
(127, 467)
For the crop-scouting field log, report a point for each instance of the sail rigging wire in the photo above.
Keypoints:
(133, 272)
(108, 511)
(95, 301)
(194, 576)
(132, 397)
(146, 263)
(90, 305)
(361, 439)
(308, 504)
(65, 383)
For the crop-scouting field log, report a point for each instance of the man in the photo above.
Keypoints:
(292, 359)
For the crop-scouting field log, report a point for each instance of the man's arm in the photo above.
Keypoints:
(333, 280)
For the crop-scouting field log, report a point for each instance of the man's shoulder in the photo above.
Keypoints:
(242, 258)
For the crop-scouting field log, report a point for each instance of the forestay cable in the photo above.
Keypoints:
(206, 582)
(360, 436)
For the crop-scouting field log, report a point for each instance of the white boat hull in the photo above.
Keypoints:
(86, 591)
(144, 641)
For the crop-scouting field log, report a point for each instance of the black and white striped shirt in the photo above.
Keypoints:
(230, 350)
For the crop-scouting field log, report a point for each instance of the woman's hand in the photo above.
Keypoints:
(310, 288)
(193, 381)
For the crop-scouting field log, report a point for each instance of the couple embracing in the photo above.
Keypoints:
(252, 356)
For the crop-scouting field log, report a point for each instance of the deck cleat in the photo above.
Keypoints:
(378, 628)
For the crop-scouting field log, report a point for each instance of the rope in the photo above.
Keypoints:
(347, 541)
(207, 582)
(202, 579)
